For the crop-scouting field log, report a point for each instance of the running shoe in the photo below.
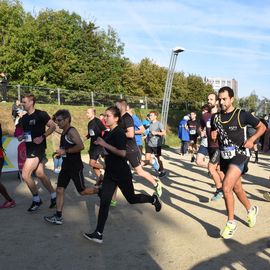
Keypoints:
(155, 163)
(157, 202)
(192, 159)
(162, 173)
(54, 219)
(266, 195)
(217, 195)
(251, 217)
(113, 203)
(53, 203)
(95, 237)
(8, 204)
(229, 230)
(158, 188)
(34, 206)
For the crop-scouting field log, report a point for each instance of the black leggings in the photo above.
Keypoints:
(108, 187)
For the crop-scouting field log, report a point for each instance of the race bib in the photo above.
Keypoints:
(192, 132)
(228, 152)
(27, 136)
(91, 132)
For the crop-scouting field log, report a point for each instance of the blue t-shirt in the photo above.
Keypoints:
(183, 134)
(146, 123)
(137, 125)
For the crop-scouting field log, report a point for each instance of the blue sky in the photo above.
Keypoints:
(224, 38)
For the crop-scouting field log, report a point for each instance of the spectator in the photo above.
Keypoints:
(4, 85)
(183, 134)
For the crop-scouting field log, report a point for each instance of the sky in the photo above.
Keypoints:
(224, 38)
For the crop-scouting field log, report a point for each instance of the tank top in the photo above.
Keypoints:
(70, 160)
(231, 135)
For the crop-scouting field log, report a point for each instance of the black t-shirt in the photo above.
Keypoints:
(71, 161)
(193, 127)
(115, 164)
(95, 128)
(233, 124)
(34, 125)
(126, 121)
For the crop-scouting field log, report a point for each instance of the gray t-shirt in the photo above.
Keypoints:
(155, 140)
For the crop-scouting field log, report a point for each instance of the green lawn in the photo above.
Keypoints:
(79, 120)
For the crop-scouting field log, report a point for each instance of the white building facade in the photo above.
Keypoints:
(218, 82)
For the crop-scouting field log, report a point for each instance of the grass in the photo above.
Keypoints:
(79, 121)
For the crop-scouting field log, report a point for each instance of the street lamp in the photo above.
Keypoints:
(168, 85)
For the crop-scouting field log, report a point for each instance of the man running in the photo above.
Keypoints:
(193, 128)
(213, 147)
(70, 149)
(133, 155)
(34, 124)
(95, 129)
(203, 148)
(228, 127)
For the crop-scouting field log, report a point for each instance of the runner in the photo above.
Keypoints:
(117, 174)
(9, 203)
(34, 124)
(154, 143)
(251, 131)
(203, 149)
(193, 128)
(213, 147)
(133, 156)
(95, 129)
(228, 126)
(70, 149)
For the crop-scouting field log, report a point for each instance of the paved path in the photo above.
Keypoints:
(184, 235)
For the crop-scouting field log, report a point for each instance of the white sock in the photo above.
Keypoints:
(36, 198)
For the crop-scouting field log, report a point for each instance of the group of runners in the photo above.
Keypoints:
(224, 139)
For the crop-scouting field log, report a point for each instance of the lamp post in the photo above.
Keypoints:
(168, 85)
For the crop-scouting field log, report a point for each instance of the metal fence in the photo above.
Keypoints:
(76, 97)
(60, 96)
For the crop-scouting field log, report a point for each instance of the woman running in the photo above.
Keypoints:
(117, 174)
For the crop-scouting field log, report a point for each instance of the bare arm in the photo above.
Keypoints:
(130, 132)
(140, 131)
(260, 129)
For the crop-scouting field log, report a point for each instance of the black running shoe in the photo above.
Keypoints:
(53, 203)
(95, 237)
(162, 173)
(157, 202)
(34, 206)
(54, 219)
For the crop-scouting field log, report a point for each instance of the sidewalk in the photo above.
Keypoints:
(184, 235)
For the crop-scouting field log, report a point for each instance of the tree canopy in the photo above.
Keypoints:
(60, 49)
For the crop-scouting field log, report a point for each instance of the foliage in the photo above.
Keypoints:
(58, 49)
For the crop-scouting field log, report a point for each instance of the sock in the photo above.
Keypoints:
(36, 198)
(232, 221)
(59, 213)
(53, 195)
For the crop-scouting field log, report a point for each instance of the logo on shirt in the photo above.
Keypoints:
(232, 128)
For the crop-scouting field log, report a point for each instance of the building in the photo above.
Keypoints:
(218, 82)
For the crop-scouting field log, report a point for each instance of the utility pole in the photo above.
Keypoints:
(168, 85)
